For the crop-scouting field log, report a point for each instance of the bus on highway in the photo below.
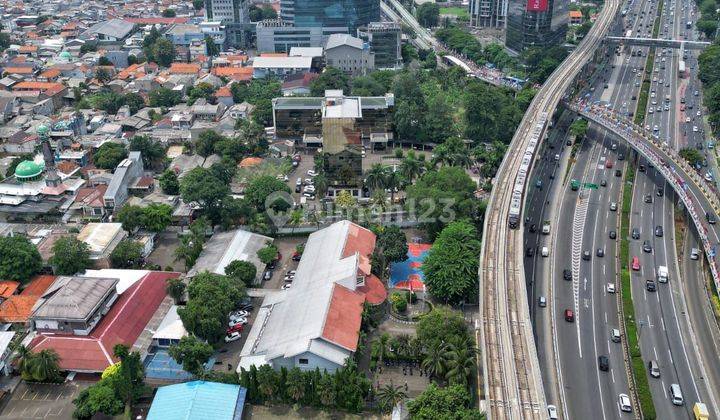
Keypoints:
(681, 69)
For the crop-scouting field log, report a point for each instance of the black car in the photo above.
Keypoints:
(298, 188)
(621, 156)
(612, 234)
(660, 192)
(710, 218)
(648, 198)
(618, 172)
(636, 233)
(533, 228)
(647, 247)
(658, 231)
(642, 168)
(650, 285)
(530, 252)
(586, 255)
(600, 252)
(603, 363)
(603, 182)
(567, 274)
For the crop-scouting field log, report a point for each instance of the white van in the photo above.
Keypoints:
(676, 395)
(694, 254)
(662, 274)
(545, 251)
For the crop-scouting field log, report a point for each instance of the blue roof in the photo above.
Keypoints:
(198, 400)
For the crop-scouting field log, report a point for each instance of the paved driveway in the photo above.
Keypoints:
(42, 401)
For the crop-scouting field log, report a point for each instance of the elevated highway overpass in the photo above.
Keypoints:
(512, 382)
(659, 42)
(696, 194)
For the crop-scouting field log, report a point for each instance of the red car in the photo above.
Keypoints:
(296, 256)
(608, 163)
(236, 328)
(636, 263)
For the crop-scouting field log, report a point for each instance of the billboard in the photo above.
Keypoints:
(537, 5)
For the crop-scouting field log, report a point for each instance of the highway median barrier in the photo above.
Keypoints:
(639, 379)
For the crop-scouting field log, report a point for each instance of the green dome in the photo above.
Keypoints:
(43, 129)
(66, 56)
(28, 169)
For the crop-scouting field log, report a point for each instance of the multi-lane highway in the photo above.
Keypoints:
(510, 359)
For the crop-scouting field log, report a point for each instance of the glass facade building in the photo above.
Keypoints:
(536, 23)
(330, 13)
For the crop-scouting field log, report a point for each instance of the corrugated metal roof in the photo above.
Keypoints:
(197, 400)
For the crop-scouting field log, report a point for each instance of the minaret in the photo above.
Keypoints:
(51, 177)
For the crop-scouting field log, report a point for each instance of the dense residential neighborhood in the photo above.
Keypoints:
(228, 209)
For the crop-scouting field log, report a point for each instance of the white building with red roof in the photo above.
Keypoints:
(316, 323)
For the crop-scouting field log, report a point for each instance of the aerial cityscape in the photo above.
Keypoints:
(359, 209)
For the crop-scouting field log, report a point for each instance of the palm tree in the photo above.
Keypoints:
(460, 363)
(390, 396)
(321, 185)
(295, 219)
(461, 159)
(320, 161)
(380, 199)
(381, 347)
(326, 390)
(266, 382)
(295, 385)
(392, 181)
(23, 357)
(44, 365)
(376, 176)
(434, 360)
(411, 168)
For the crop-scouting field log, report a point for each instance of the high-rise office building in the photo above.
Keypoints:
(536, 23)
(350, 14)
(385, 42)
(233, 14)
(488, 13)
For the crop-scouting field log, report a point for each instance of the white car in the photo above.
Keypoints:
(611, 287)
(233, 336)
(695, 129)
(699, 113)
(239, 315)
(624, 403)
(613, 206)
(552, 412)
(238, 321)
(311, 172)
(309, 181)
(286, 286)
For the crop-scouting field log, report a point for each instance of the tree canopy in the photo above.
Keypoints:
(164, 97)
(428, 14)
(242, 271)
(192, 354)
(201, 186)
(169, 182)
(210, 298)
(127, 254)
(70, 256)
(262, 187)
(453, 402)
(451, 267)
(151, 151)
(330, 78)
(19, 258)
(443, 196)
(109, 155)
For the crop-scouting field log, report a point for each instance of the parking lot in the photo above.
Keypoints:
(42, 401)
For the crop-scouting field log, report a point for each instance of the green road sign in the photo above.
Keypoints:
(589, 185)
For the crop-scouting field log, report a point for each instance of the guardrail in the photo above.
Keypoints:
(643, 141)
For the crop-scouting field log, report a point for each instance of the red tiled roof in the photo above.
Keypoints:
(374, 290)
(91, 196)
(41, 86)
(342, 323)
(50, 73)
(123, 324)
(17, 308)
(38, 285)
(66, 166)
(18, 70)
(359, 240)
(575, 14)
(28, 48)
(184, 68)
(8, 288)
(235, 73)
(223, 92)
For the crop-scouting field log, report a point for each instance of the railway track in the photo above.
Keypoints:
(512, 381)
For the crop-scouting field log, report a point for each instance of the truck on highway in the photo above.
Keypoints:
(546, 227)
(700, 411)
(574, 184)
(681, 69)
(662, 274)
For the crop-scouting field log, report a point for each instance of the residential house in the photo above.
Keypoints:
(74, 305)
(226, 247)
(125, 174)
(102, 239)
(17, 308)
(280, 66)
